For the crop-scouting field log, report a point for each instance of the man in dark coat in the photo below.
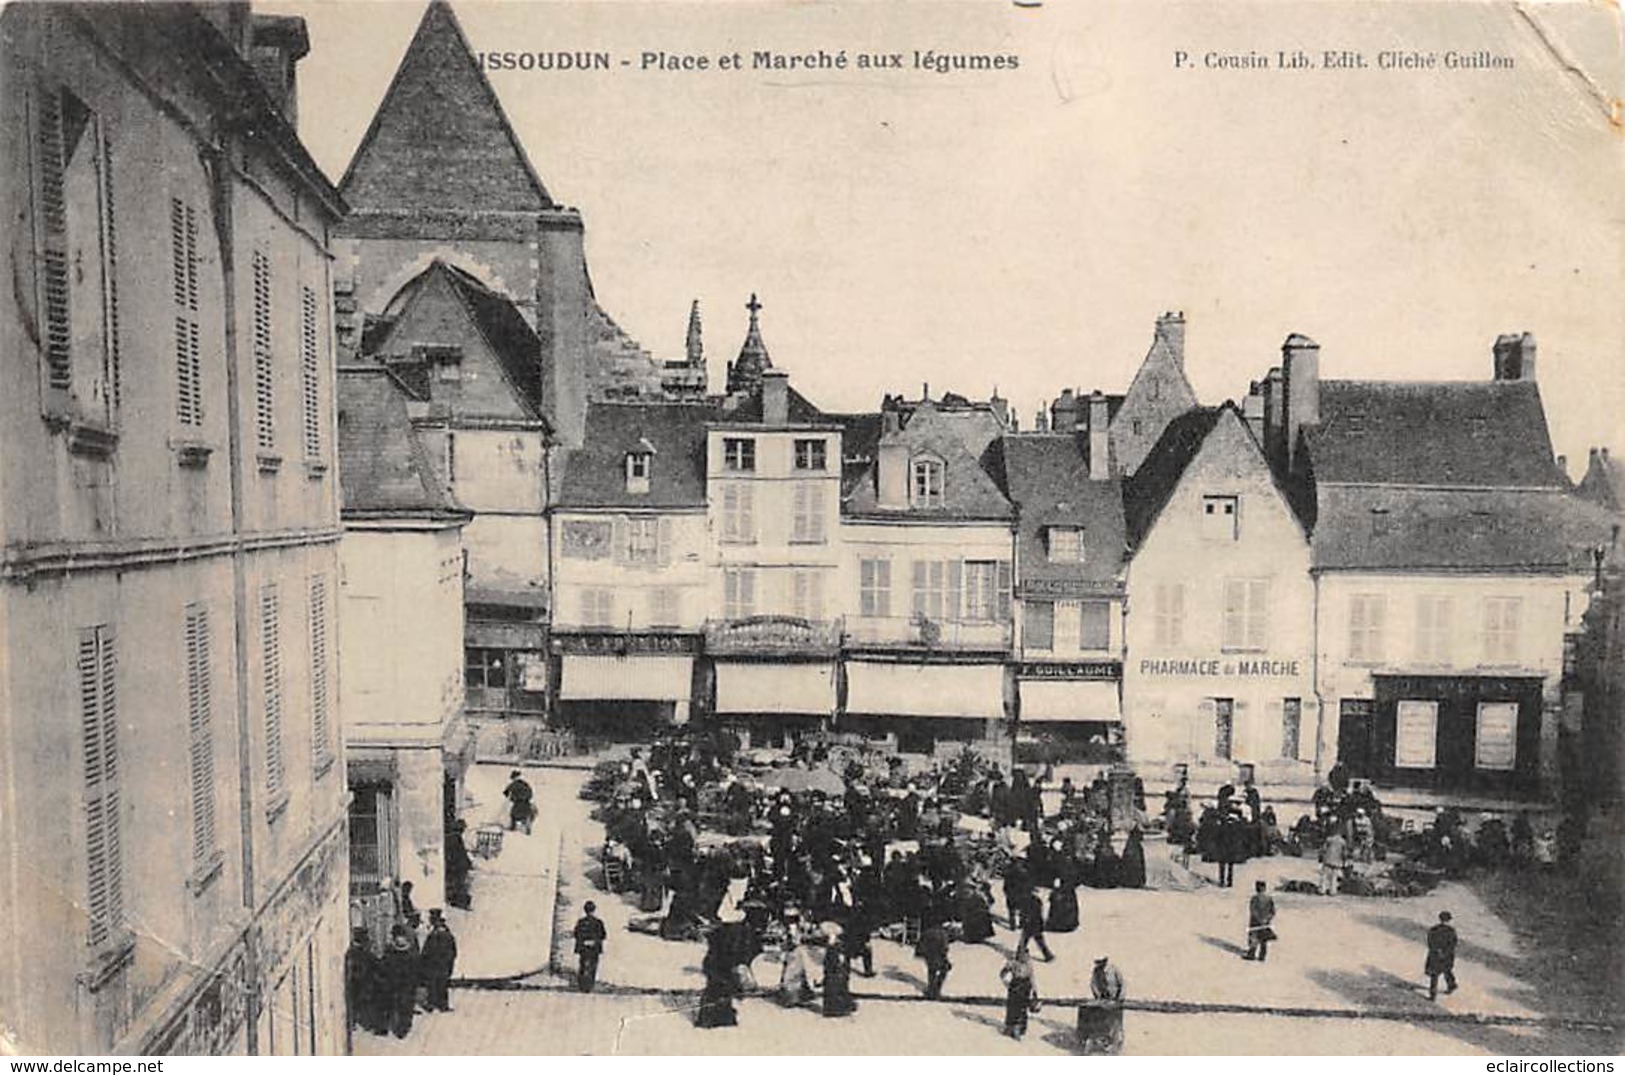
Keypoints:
(398, 975)
(1441, 960)
(589, 935)
(933, 948)
(519, 795)
(361, 983)
(437, 961)
(458, 867)
(1030, 918)
(1260, 913)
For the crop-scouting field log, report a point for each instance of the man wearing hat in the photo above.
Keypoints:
(438, 959)
(519, 794)
(1441, 959)
(589, 935)
(1105, 1030)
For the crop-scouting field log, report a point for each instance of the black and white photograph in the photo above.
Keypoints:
(787, 528)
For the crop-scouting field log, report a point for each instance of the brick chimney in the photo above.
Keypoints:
(277, 44)
(561, 322)
(1252, 409)
(1100, 444)
(1515, 357)
(1171, 330)
(1041, 421)
(892, 463)
(1300, 362)
(1063, 413)
(1275, 416)
(775, 397)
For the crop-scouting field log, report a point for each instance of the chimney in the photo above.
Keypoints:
(1099, 439)
(892, 463)
(1515, 357)
(1041, 421)
(561, 323)
(1063, 413)
(1171, 330)
(278, 43)
(1300, 360)
(1252, 409)
(1275, 417)
(775, 398)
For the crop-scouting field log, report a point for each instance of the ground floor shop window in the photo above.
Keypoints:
(485, 668)
(371, 845)
(1496, 739)
(1416, 735)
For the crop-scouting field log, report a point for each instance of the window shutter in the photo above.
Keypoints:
(310, 374)
(953, 598)
(919, 585)
(620, 537)
(264, 368)
(200, 733)
(98, 670)
(321, 720)
(1006, 578)
(665, 542)
(188, 358)
(747, 512)
(54, 214)
(115, 380)
(271, 687)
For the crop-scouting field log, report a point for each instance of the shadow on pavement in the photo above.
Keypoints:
(1224, 946)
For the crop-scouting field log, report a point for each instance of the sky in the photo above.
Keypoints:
(1022, 229)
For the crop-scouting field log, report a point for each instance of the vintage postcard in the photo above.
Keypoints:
(734, 528)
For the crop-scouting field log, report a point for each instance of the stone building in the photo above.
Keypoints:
(169, 515)
(407, 745)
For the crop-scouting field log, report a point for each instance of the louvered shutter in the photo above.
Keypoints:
(104, 867)
(184, 271)
(54, 233)
(115, 380)
(321, 720)
(665, 532)
(271, 688)
(621, 539)
(1006, 581)
(310, 374)
(953, 598)
(264, 365)
(200, 728)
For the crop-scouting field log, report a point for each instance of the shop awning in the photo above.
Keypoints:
(776, 687)
(626, 679)
(1077, 700)
(925, 690)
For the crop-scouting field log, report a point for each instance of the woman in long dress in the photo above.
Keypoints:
(975, 913)
(1019, 990)
(838, 979)
(1132, 871)
(1063, 900)
(721, 984)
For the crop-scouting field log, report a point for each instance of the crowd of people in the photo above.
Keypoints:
(384, 992)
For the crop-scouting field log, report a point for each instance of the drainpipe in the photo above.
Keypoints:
(1314, 680)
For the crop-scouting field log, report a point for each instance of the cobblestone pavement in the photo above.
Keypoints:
(1358, 960)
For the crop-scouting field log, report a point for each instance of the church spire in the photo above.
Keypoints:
(695, 348)
(745, 372)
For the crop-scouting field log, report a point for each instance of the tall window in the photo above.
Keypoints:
(930, 587)
(1221, 518)
(597, 607)
(1168, 613)
(1291, 727)
(1501, 616)
(981, 589)
(927, 483)
(810, 455)
(738, 593)
(1038, 626)
(200, 735)
(320, 689)
(664, 607)
(310, 373)
(78, 258)
(643, 540)
(1245, 620)
(1433, 625)
(98, 725)
(874, 588)
(183, 249)
(639, 465)
(739, 453)
(1065, 544)
(271, 695)
(739, 513)
(1094, 625)
(264, 366)
(807, 598)
(1367, 616)
(807, 524)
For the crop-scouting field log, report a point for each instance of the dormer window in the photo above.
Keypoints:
(639, 466)
(1065, 545)
(926, 486)
(810, 455)
(739, 453)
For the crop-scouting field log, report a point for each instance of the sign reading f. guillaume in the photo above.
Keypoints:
(1257, 667)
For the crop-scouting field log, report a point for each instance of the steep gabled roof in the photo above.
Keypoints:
(384, 471)
(1362, 527)
(440, 139)
(969, 491)
(1148, 491)
(595, 474)
(1047, 475)
(1474, 433)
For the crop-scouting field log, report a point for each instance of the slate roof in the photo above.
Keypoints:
(802, 412)
(1047, 476)
(860, 438)
(969, 491)
(1410, 528)
(595, 474)
(383, 468)
(440, 139)
(1604, 481)
(1463, 433)
(1148, 491)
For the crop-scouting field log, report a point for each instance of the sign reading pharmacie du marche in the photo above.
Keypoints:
(1227, 666)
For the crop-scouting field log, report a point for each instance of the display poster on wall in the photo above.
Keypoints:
(1497, 740)
(1415, 735)
(532, 672)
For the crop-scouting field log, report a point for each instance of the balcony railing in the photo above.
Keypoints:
(773, 635)
(914, 632)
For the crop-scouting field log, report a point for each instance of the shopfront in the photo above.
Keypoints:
(624, 687)
(772, 677)
(1069, 711)
(924, 708)
(1467, 733)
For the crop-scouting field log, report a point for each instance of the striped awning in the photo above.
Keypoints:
(925, 690)
(626, 679)
(776, 687)
(1078, 700)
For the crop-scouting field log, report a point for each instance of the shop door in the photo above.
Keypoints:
(1224, 727)
(1356, 726)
